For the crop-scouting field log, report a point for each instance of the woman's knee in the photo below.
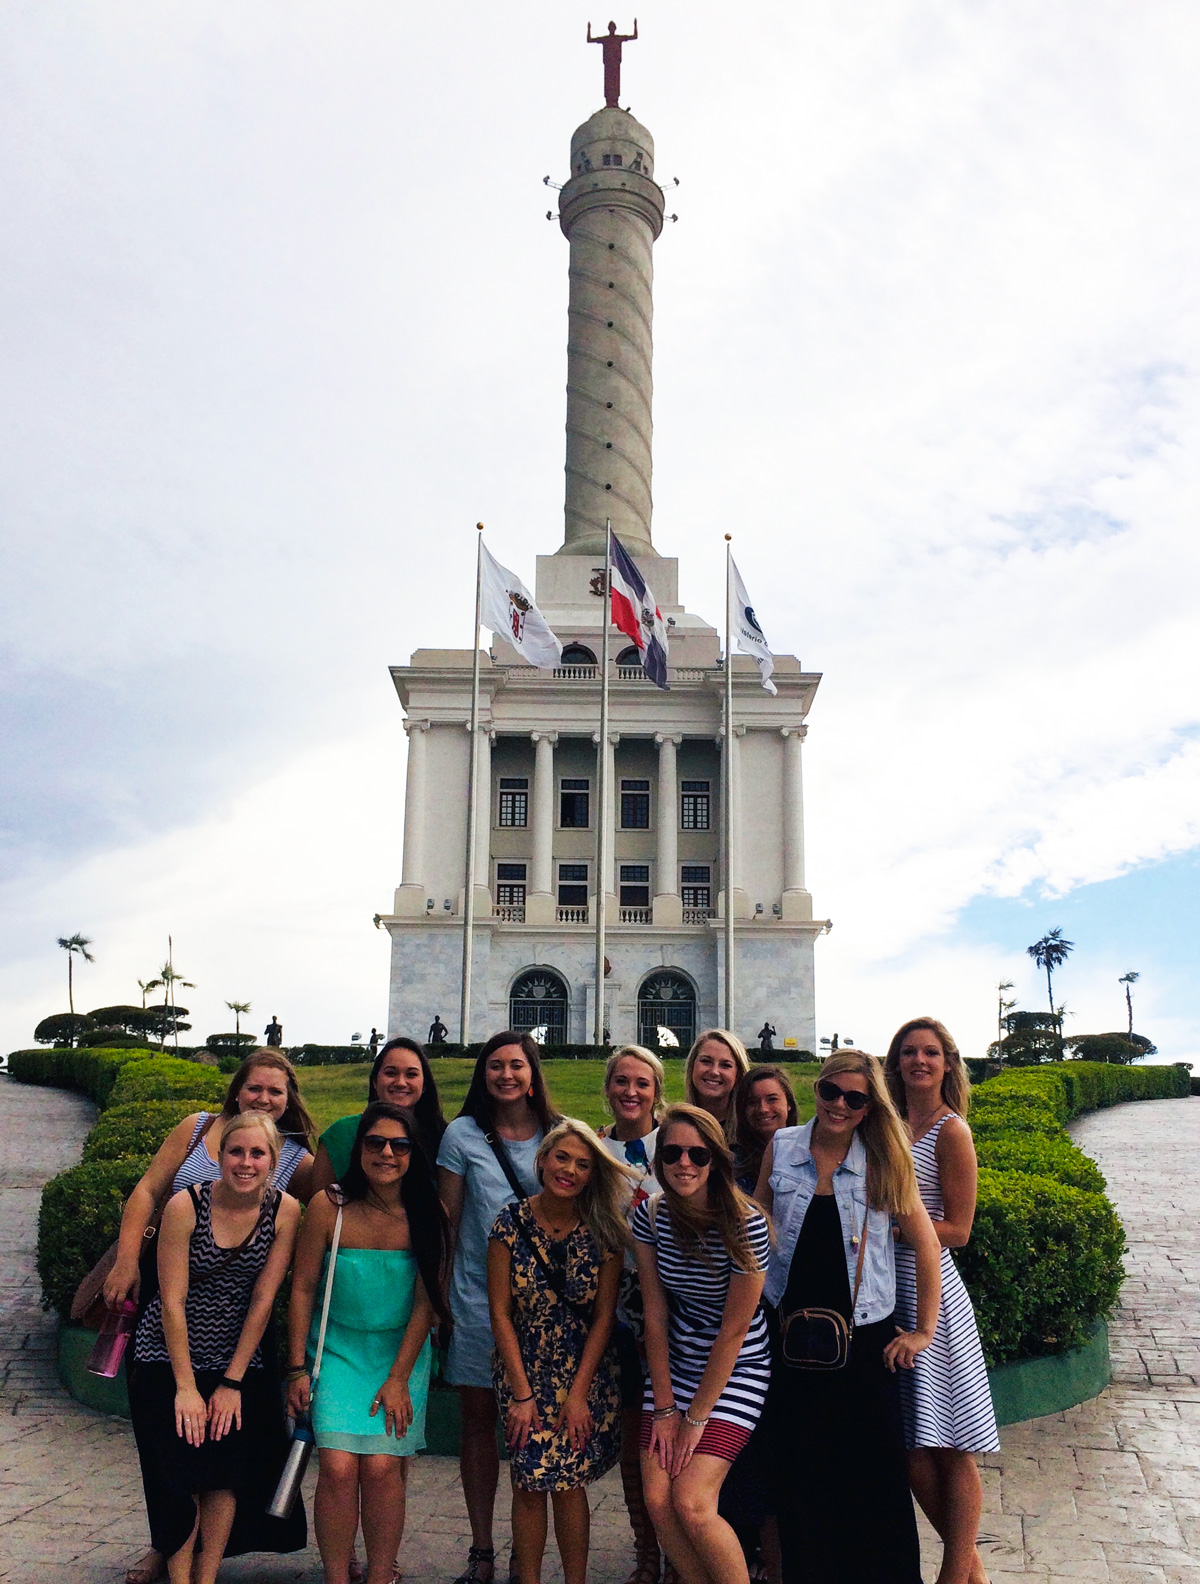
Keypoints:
(380, 1471)
(340, 1469)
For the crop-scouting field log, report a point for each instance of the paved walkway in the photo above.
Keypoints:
(1108, 1492)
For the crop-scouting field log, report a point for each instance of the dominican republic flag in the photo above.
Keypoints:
(636, 614)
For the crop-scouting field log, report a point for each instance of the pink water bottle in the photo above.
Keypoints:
(118, 1327)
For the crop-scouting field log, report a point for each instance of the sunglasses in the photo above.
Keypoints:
(672, 1154)
(831, 1094)
(380, 1143)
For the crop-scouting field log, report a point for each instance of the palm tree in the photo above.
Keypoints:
(1127, 980)
(1050, 953)
(237, 1008)
(1003, 1006)
(145, 986)
(72, 944)
(169, 979)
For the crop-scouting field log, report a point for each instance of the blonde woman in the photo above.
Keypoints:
(633, 1088)
(946, 1401)
(702, 1251)
(554, 1261)
(836, 1438)
(716, 1062)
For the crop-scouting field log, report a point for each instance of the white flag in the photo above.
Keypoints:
(750, 638)
(506, 606)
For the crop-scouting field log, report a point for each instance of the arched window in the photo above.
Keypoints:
(577, 654)
(667, 1009)
(537, 1005)
(629, 656)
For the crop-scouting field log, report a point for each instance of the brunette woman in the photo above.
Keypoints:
(369, 1405)
(264, 1085)
(947, 1404)
(554, 1261)
(702, 1250)
(764, 1101)
(496, 1135)
(834, 1186)
(633, 1090)
(401, 1075)
(715, 1063)
(206, 1414)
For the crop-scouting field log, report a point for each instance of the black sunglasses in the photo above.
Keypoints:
(672, 1154)
(831, 1094)
(377, 1143)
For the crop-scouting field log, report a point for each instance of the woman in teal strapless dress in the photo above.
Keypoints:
(368, 1407)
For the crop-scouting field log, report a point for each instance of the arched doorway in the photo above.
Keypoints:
(537, 1004)
(577, 654)
(667, 1002)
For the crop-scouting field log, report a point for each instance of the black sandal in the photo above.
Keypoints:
(479, 1557)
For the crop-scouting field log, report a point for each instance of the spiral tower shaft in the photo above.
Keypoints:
(611, 212)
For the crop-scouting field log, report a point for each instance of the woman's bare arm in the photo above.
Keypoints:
(452, 1190)
(958, 1171)
(741, 1301)
(313, 1240)
(322, 1172)
(300, 1183)
(139, 1210)
(762, 1192)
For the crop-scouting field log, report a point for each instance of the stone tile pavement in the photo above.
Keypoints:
(1108, 1492)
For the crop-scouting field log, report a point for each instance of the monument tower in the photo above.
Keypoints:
(668, 764)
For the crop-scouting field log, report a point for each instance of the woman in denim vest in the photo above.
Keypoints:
(837, 1440)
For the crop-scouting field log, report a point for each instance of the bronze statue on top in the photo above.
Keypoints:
(610, 44)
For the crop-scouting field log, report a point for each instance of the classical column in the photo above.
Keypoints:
(668, 910)
(797, 903)
(730, 773)
(483, 826)
(410, 895)
(539, 899)
(609, 814)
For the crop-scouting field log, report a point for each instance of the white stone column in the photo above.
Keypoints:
(614, 808)
(539, 899)
(668, 909)
(483, 827)
(730, 776)
(410, 896)
(796, 902)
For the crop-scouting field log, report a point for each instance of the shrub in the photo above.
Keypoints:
(129, 1019)
(112, 1039)
(1043, 1157)
(90, 1072)
(169, 1078)
(1109, 1047)
(80, 1216)
(135, 1129)
(230, 1044)
(62, 1028)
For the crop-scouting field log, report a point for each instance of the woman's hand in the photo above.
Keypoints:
(191, 1414)
(520, 1422)
(397, 1406)
(121, 1283)
(662, 1439)
(687, 1437)
(576, 1419)
(299, 1396)
(224, 1412)
(902, 1350)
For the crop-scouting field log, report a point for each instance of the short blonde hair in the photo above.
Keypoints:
(243, 1122)
(649, 1059)
(602, 1202)
(891, 1176)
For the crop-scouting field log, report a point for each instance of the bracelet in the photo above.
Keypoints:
(696, 1424)
(523, 1399)
(665, 1413)
(230, 1385)
(297, 1372)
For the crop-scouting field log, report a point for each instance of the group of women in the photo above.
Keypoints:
(760, 1322)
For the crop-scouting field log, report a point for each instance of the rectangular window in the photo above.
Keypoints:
(635, 885)
(695, 884)
(635, 806)
(510, 885)
(514, 800)
(573, 803)
(694, 805)
(572, 885)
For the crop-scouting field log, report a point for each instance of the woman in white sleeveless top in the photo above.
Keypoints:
(945, 1398)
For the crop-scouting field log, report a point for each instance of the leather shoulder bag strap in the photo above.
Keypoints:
(504, 1160)
(862, 1254)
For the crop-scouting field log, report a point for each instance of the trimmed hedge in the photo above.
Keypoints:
(80, 1216)
(136, 1129)
(89, 1072)
(169, 1078)
(1041, 1157)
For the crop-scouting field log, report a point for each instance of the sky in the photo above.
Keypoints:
(282, 318)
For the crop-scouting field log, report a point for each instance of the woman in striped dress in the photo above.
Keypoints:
(946, 1401)
(702, 1250)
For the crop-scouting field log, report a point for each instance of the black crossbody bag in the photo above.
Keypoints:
(819, 1339)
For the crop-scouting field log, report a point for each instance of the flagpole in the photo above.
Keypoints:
(730, 978)
(602, 792)
(468, 953)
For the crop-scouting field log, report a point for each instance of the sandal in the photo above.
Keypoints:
(148, 1569)
(355, 1572)
(479, 1558)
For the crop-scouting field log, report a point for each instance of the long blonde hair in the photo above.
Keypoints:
(891, 1177)
(603, 1199)
(648, 1059)
(728, 1207)
(956, 1086)
(738, 1051)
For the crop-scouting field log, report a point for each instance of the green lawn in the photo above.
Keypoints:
(575, 1087)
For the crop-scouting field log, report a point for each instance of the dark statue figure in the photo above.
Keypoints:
(274, 1031)
(610, 45)
(766, 1037)
(373, 1043)
(437, 1031)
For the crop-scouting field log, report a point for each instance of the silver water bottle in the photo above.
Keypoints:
(292, 1477)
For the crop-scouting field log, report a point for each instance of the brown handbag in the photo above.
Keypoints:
(819, 1339)
(88, 1307)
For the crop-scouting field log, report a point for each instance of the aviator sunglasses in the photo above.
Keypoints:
(377, 1143)
(831, 1094)
(672, 1154)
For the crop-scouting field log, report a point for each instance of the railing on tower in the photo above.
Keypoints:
(637, 915)
(509, 912)
(571, 915)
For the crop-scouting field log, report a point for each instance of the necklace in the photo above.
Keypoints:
(554, 1230)
(374, 1204)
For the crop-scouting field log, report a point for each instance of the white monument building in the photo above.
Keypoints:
(667, 764)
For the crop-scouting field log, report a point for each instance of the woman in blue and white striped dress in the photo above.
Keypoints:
(702, 1250)
(945, 1399)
